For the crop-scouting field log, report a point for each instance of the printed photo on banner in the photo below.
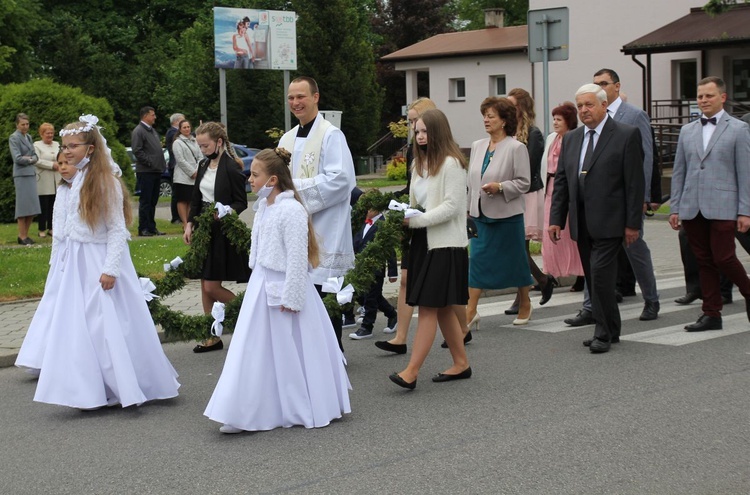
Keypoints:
(254, 39)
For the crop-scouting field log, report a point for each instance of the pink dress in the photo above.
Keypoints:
(559, 259)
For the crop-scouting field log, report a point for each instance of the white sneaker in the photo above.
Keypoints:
(230, 429)
(360, 320)
(361, 310)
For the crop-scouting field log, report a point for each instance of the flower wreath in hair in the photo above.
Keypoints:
(91, 122)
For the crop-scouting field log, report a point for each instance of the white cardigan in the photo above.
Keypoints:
(279, 243)
(445, 208)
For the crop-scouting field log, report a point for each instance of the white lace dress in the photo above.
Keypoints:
(102, 347)
(282, 368)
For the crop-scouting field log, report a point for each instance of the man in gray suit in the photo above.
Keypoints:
(638, 252)
(711, 197)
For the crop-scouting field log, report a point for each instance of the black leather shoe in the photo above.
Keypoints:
(687, 298)
(442, 377)
(467, 339)
(395, 378)
(513, 310)
(146, 233)
(704, 323)
(618, 296)
(387, 346)
(584, 317)
(650, 311)
(599, 346)
(587, 342)
(158, 232)
(547, 290)
(216, 346)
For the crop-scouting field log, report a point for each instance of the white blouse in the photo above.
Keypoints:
(208, 185)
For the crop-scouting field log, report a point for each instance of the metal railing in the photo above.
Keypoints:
(385, 149)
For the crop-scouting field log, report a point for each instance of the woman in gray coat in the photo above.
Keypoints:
(24, 177)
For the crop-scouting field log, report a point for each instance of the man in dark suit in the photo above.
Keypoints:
(149, 165)
(711, 197)
(599, 181)
(373, 301)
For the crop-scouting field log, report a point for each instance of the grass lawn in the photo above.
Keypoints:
(23, 269)
(380, 182)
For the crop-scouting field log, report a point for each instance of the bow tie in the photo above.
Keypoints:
(705, 121)
(368, 221)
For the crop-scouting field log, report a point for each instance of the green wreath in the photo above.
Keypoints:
(177, 325)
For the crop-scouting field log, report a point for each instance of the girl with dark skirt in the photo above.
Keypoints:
(438, 259)
(220, 179)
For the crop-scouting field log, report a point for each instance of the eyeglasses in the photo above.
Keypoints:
(604, 84)
(72, 146)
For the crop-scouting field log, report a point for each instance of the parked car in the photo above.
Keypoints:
(246, 155)
(243, 152)
(165, 185)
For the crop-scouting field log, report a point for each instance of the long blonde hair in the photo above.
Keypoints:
(98, 189)
(525, 113)
(277, 163)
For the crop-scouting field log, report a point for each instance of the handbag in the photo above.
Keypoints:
(471, 229)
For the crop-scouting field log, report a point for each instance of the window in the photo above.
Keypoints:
(457, 89)
(497, 85)
(740, 86)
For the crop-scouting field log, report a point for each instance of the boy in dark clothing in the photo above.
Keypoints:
(373, 300)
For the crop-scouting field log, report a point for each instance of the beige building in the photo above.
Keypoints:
(466, 67)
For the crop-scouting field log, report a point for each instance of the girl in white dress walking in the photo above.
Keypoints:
(102, 347)
(284, 366)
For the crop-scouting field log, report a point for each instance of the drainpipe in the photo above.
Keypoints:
(646, 84)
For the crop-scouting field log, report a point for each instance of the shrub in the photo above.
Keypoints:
(396, 169)
(46, 101)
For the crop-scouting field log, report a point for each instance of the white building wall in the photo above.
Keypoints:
(478, 71)
(598, 30)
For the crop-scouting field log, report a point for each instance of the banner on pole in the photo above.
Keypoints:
(255, 39)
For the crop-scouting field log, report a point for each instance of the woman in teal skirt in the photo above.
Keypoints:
(498, 177)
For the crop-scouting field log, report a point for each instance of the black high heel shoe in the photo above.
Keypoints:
(547, 290)
(513, 310)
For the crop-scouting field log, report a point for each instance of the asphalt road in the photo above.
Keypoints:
(662, 413)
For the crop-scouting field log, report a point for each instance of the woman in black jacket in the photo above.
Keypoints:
(220, 179)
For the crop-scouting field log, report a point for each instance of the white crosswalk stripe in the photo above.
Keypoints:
(674, 335)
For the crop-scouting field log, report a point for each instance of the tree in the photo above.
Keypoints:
(398, 24)
(20, 20)
(470, 13)
(333, 47)
(714, 7)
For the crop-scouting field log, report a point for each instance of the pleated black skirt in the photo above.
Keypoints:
(437, 277)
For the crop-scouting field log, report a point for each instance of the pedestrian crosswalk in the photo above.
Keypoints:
(670, 334)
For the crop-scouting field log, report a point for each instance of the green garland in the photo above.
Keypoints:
(177, 325)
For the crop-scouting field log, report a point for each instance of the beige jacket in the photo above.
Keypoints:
(508, 166)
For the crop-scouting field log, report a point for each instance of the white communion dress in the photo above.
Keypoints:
(101, 346)
(282, 368)
(34, 344)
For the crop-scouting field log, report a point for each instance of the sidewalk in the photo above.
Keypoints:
(16, 316)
